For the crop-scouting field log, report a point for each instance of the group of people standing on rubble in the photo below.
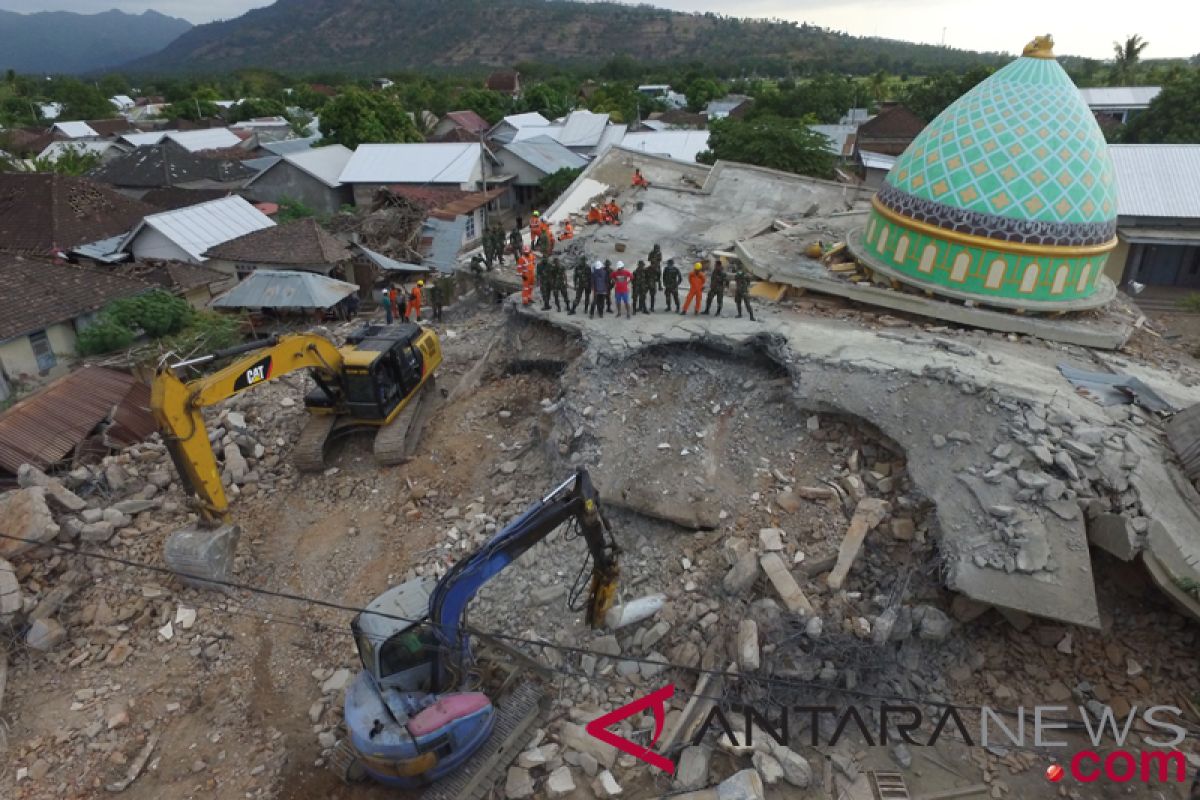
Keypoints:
(404, 306)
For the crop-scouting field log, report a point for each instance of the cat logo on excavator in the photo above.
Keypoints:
(257, 373)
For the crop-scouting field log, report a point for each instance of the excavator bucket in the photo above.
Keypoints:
(200, 555)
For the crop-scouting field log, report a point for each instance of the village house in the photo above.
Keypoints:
(44, 305)
(185, 234)
(506, 129)
(733, 105)
(1119, 104)
(311, 177)
(889, 132)
(169, 164)
(677, 145)
(460, 126)
(191, 140)
(105, 149)
(44, 213)
(529, 161)
(505, 81)
(582, 132)
(297, 245)
(459, 166)
(197, 284)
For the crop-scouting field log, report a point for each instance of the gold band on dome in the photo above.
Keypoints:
(998, 245)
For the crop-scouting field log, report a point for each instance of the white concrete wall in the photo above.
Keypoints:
(18, 357)
(149, 243)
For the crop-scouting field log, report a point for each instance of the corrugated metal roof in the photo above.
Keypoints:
(145, 138)
(519, 121)
(107, 251)
(57, 150)
(280, 288)
(390, 264)
(75, 130)
(872, 160)
(1157, 180)
(679, 145)
(613, 135)
(451, 162)
(446, 240)
(323, 163)
(45, 428)
(1119, 96)
(289, 146)
(545, 154)
(537, 132)
(199, 227)
(838, 136)
(206, 139)
(583, 129)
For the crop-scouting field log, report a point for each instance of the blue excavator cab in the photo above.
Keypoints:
(409, 721)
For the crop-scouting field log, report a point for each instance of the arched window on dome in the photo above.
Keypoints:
(1060, 279)
(1083, 278)
(883, 237)
(901, 249)
(995, 274)
(1030, 278)
(927, 257)
(962, 263)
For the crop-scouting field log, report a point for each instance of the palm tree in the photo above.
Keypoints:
(1126, 57)
(878, 86)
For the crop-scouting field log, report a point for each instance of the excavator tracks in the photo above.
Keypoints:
(482, 771)
(309, 453)
(396, 443)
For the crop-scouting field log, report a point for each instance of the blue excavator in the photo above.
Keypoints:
(411, 715)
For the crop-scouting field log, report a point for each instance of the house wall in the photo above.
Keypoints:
(17, 355)
(149, 243)
(198, 298)
(526, 174)
(286, 181)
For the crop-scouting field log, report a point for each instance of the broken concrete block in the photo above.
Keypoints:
(97, 532)
(965, 609)
(741, 575)
(867, 514)
(1114, 534)
(560, 783)
(519, 784)
(749, 658)
(692, 771)
(903, 529)
(768, 768)
(574, 737)
(789, 591)
(605, 786)
(815, 492)
(796, 769)
(10, 592)
(744, 785)
(45, 635)
(771, 539)
(934, 625)
(24, 515)
(634, 611)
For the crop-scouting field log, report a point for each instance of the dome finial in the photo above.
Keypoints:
(1040, 47)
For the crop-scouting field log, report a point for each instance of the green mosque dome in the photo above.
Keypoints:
(1007, 198)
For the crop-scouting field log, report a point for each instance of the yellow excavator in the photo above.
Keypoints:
(382, 379)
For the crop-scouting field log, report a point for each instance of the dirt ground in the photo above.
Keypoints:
(237, 704)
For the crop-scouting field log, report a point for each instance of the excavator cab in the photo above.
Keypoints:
(383, 365)
(395, 642)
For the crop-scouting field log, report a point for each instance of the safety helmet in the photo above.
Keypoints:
(620, 265)
(420, 283)
(537, 213)
(698, 266)
(598, 265)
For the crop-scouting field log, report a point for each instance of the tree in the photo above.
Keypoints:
(1171, 117)
(878, 86)
(71, 161)
(490, 105)
(701, 92)
(826, 97)
(253, 107)
(931, 96)
(775, 142)
(555, 184)
(1126, 56)
(357, 117)
(80, 100)
(547, 101)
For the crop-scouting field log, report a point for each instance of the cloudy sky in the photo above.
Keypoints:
(1080, 27)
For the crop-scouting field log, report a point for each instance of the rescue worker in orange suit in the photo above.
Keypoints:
(537, 229)
(639, 180)
(414, 305)
(595, 215)
(526, 266)
(612, 213)
(695, 289)
(568, 231)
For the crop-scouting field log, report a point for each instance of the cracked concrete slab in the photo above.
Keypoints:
(951, 410)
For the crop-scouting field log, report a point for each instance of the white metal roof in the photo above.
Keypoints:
(208, 139)
(122, 101)
(75, 130)
(145, 138)
(56, 150)
(583, 129)
(1157, 180)
(1119, 96)
(450, 162)
(535, 131)
(519, 121)
(679, 145)
(50, 110)
(197, 228)
(323, 163)
(545, 154)
(837, 135)
(873, 160)
(613, 135)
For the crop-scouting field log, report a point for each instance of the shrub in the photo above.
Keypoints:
(158, 313)
(103, 336)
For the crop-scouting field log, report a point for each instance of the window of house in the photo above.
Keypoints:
(244, 270)
(42, 351)
(471, 225)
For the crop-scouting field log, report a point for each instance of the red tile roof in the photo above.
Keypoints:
(38, 293)
(301, 242)
(504, 80)
(40, 211)
(469, 121)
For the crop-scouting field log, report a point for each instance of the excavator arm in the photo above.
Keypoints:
(177, 404)
(574, 499)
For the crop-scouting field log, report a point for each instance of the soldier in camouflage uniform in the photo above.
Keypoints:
(741, 291)
(543, 280)
(516, 241)
(640, 288)
(716, 286)
(545, 242)
(671, 278)
(583, 285)
(654, 274)
(558, 284)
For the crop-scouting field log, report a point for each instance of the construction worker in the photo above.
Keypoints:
(385, 300)
(525, 268)
(612, 212)
(608, 271)
(654, 274)
(435, 300)
(639, 180)
(639, 288)
(568, 230)
(695, 289)
(671, 278)
(537, 228)
(543, 280)
(600, 287)
(558, 284)
(741, 290)
(595, 215)
(583, 284)
(716, 287)
(622, 284)
(516, 242)
(414, 304)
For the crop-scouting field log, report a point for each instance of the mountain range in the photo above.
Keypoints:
(64, 42)
(375, 36)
